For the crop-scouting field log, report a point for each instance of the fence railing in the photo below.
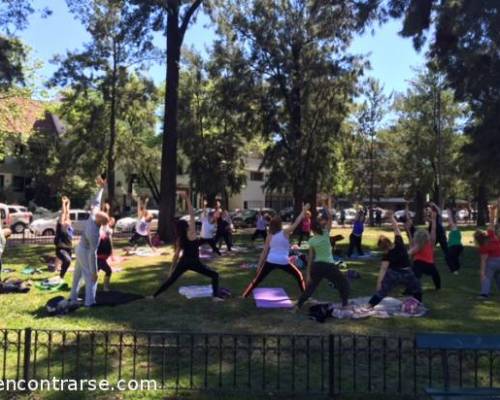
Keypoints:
(28, 237)
(288, 364)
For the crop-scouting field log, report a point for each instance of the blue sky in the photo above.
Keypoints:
(392, 57)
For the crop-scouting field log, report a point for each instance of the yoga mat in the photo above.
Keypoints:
(196, 291)
(271, 298)
(145, 252)
(115, 260)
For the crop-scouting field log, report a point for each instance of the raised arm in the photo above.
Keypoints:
(493, 217)
(433, 227)
(395, 226)
(204, 210)
(297, 221)
(191, 222)
(329, 218)
(95, 206)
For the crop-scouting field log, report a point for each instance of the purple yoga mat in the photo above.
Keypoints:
(271, 298)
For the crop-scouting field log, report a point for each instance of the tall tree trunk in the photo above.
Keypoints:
(482, 205)
(112, 135)
(372, 178)
(419, 207)
(169, 144)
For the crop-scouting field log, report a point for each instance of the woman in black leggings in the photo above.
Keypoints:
(63, 239)
(189, 244)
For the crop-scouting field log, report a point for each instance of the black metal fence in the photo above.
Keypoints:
(288, 364)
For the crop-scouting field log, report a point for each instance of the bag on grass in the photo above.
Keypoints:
(60, 306)
(14, 286)
(320, 312)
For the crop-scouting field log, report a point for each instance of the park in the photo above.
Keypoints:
(252, 199)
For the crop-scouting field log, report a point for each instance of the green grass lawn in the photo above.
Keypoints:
(454, 308)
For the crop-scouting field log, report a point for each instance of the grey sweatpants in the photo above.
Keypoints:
(492, 271)
(85, 269)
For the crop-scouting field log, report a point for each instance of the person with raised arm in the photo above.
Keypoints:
(489, 251)
(208, 228)
(440, 231)
(274, 256)
(320, 261)
(63, 239)
(142, 231)
(187, 255)
(356, 236)
(86, 251)
(395, 268)
(455, 247)
(422, 252)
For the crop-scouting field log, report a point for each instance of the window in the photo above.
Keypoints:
(12, 210)
(18, 183)
(256, 176)
(72, 216)
(83, 216)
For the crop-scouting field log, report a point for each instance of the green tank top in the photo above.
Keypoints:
(322, 247)
(454, 238)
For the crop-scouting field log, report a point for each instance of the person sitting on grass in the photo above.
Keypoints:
(395, 268)
(320, 261)
(275, 254)
(187, 255)
(4, 235)
(489, 251)
(455, 247)
(356, 236)
(422, 252)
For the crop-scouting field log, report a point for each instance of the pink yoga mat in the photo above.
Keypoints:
(271, 298)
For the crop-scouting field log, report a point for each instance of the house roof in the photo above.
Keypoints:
(25, 116)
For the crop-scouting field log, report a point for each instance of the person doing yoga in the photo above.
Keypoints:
(86, 251)
(187, 255)
(275, 253)
(395, 268)
(320, 261)
(63, 239)
(422, 252)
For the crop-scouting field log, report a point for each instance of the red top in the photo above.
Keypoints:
(492, 248)
(306, 224)
(425, 254)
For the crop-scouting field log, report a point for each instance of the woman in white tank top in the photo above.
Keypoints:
(275, 253)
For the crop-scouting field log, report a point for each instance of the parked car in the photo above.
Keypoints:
(17, 218)
(287, 214)
(400, 215)
(47, 226)
(248, 218)
(197, 217)
(127, 224)
(350, 215)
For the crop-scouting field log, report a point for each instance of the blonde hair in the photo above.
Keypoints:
(421, 238)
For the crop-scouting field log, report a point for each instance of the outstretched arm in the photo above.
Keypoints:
(329, 218)
(297, 221)
(96, 203)
(191, 222)
(433, 227)
(493, 217)
(395, 226)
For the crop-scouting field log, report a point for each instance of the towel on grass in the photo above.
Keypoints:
(271, 298)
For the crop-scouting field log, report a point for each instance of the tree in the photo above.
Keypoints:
(13, 17)
(414, 151)
(465, 44)
(68, 164)
(368, 118)
(215, 124)
(296, 53)
(171, 17)
(104, 63)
